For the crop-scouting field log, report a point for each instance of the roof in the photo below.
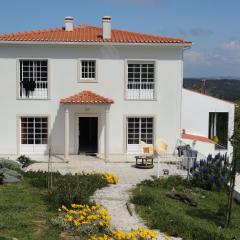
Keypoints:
(206, 95)
(86, 97)
(87, 33)
(197, 138)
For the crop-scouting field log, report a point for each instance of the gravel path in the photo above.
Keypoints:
(114, 198)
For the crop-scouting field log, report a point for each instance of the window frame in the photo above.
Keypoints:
(212, 120)
(20, 116)
(18, 77)
(34, 132)
(125, 128)
(155, 72)
(79, 66)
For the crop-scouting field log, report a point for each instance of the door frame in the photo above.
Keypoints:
(76, 137)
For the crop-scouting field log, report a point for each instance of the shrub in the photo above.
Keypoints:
(1, 178)
(212, 173)
(144, 199)
(166, 183)
(108, 176)
(5, 163)
(94, 222)
(83, 219)
(40, 179)
(25, 161)
(74, 189)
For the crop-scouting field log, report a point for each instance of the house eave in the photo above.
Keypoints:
(89, 43)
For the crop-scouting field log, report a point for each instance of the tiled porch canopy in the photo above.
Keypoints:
(86, 97)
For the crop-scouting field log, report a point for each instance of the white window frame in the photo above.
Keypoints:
(33, 148)
(134, 147)
(140, 98)
(19, 78)
(87, 80)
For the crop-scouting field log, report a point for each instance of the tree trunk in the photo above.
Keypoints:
(231, 193)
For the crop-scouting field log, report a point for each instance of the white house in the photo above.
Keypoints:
(87, 89)
(203, 118)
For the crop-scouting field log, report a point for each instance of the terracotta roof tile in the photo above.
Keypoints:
(197, 138)
(87, 33)
(86, 97)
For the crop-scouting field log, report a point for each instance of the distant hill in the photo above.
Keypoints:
(227, 89)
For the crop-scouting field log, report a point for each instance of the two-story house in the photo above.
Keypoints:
(86, 89)
(89, 89)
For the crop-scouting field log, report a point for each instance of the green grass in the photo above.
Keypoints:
(204, 222)
(24, 213)
(26, 208)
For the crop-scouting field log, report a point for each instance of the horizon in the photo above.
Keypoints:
(211, 27)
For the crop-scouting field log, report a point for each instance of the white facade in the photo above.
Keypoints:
(111, 73)
(195, 119)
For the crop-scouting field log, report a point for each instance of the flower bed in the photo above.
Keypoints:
(94, 222)
(112, 179)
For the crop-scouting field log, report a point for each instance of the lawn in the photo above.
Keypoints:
(27, 207)
(24, 213)
(204, 222)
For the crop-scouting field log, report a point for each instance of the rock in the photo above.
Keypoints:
(10, 176)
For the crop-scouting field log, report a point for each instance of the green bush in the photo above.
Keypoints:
(40, 179)
(74, 189)
(166, 183)
(67, 189)
(1, 178)
(5, 163)
(144, 199)
(212, 173)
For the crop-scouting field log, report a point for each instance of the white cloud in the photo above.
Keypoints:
(194, 56)
(230, 45)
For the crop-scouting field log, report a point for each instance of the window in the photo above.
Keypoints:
(88, 70)
(218, 127)
(34, 130)
(33, 79)
(140, 80)
(139, 129)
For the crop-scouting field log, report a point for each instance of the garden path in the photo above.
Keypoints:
(114, 198)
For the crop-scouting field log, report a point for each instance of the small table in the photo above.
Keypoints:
(144, 161)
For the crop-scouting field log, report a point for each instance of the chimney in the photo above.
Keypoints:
(203, 86)
(106, 27)
(68, 24)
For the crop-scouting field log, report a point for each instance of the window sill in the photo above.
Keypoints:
(29, 99)
(141, 99)
(88, 80)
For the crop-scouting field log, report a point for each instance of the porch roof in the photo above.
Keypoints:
(86, 97)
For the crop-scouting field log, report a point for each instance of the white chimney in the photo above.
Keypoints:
(69, 24)
(106, 27)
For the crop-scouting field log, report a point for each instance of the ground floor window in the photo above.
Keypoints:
(139, 129)
(218, 128)
(34, 134)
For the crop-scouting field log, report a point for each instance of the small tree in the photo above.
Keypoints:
(235, 141)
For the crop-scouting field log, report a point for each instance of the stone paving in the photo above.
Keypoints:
(126, 171)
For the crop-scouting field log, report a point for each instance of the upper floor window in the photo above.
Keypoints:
(33, 79)
(140, 80)
(88, 70)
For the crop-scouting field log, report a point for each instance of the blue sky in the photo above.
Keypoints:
(212, 25)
